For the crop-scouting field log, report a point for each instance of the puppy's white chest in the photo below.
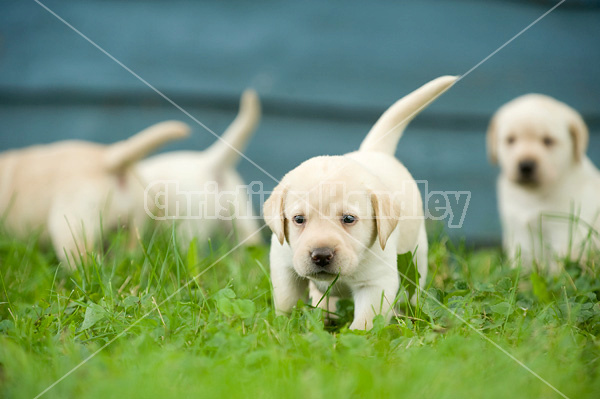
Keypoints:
(544, 226)
(340, 289)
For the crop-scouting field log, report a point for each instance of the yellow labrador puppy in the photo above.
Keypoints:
(347, 218)
(548, 189)
(200, 190)
(70, 190)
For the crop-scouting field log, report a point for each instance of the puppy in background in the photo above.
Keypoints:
(548, 189)
(344, 219)
(200, 190)
(70, 190)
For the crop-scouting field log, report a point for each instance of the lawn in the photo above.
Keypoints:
(158, 332)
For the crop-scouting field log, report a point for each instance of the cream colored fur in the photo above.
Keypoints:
(176, 180)
(370, 185)
(69, 190)
(546, 215)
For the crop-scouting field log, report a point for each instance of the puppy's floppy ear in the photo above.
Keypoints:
(579, 134)
(387, 211)
(492, 141)
(273, 212)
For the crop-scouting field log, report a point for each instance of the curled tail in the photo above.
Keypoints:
(124, 153)
(227, 149)
(385, 134)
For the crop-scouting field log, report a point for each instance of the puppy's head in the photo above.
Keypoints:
(331, 212)
(536, 140)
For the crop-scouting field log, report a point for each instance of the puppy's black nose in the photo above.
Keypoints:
(322, 256)
(527, 167)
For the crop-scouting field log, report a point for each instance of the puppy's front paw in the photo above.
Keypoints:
(361, 324)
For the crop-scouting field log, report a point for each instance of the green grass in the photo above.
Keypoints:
(219, 337)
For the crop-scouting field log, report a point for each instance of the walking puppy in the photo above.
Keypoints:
(70, 190)
(348, 217)
(201, 190)
(548, 189)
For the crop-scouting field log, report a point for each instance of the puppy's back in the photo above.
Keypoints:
(31, 177)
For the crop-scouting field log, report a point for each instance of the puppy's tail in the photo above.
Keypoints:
(227, 150)
(385, 134)
(124, 153)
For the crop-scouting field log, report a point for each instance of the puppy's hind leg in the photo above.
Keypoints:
(248, 231)
(419, 259)
(245, 223)
(421, 262)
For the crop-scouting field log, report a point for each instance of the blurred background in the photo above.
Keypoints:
(325, 71)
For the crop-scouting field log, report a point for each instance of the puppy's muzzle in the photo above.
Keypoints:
(322, 257)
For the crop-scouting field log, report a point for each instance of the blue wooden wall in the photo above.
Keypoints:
(325, 71)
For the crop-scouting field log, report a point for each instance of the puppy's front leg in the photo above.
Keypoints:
(319, 299)
(288, 287)
(372, 299)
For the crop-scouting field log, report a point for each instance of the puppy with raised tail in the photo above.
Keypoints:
(346, 218)
(200, 190)
(548, 189)
(71, 190)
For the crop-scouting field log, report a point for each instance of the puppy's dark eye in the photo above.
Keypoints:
(510, 140)
(548, 141)
(348, 219)
(299, 219)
